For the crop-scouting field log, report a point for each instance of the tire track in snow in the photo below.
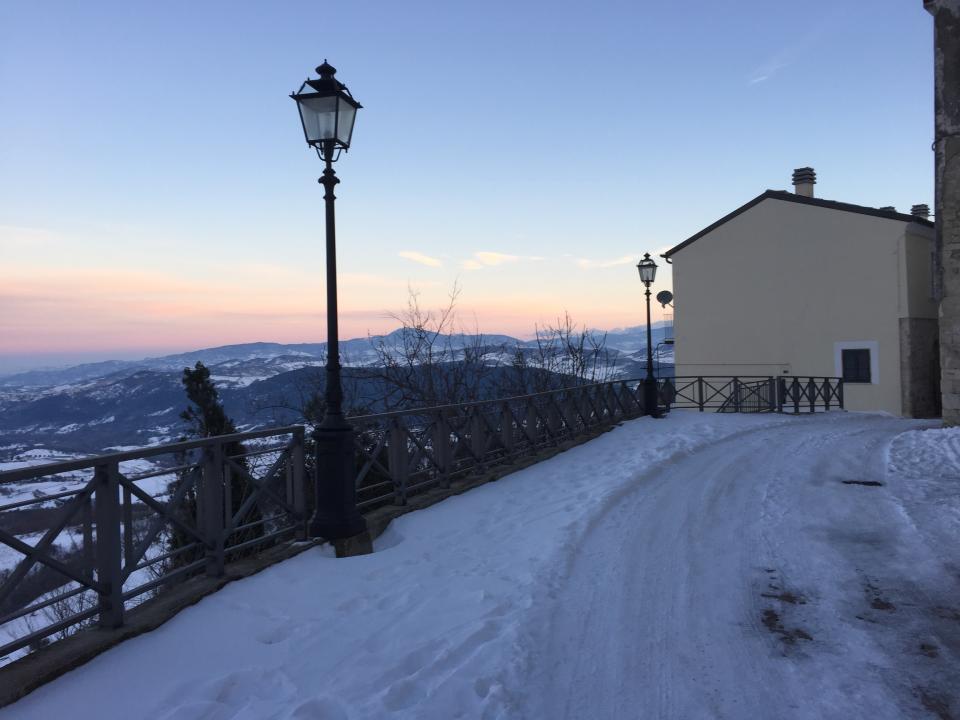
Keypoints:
(660, 614)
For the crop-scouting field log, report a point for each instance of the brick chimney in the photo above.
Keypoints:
(803, 181)
(921, 211)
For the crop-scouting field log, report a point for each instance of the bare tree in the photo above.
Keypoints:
(561, 355)
(434, 359)
(63, 608)
(431, 360)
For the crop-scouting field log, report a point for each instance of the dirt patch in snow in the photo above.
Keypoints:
(877, 601)
(867, 483)
(946, 613)
(787, 597)
(929, 650)
(935, 703)
(771, 620)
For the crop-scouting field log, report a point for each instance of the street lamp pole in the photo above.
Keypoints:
(327, 111)
(336, 515)
(648, 271)
(333, 392)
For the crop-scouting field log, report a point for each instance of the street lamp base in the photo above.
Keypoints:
(651, 405)
(336, 516)
(327, 527)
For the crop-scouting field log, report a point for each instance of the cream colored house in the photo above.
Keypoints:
(790, 284)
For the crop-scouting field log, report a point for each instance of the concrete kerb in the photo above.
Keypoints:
(48, 663)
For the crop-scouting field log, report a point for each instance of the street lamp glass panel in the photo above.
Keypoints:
(347, 114)
(647, 269)
(319, 116)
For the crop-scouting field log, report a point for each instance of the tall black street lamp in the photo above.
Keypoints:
(648, 271)
(327, 111)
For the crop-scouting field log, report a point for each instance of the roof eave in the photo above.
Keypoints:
(792, 197)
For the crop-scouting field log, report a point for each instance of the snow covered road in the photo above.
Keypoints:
(757, 578)
(701, 566)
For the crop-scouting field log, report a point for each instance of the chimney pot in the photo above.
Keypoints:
(803, 181)
(921, 211)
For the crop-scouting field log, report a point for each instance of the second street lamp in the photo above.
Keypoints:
(648, 272)
(327, 113)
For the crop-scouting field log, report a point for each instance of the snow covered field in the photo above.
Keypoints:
(699, 566)
(37, 489)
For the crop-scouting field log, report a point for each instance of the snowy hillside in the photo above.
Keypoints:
(266, 359)
(91, 407)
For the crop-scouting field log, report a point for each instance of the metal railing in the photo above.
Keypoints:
(402, 453)
(120, 526)
(790, 394)
(797, 394)
(99, 535)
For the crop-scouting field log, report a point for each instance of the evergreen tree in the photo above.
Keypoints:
(206, 417)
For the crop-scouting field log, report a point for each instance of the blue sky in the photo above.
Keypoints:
(156, 193)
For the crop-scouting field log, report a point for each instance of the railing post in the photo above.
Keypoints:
(506, 428)
(771, 394)
(610, 400)
(553, 419)
(478, 437)
(89, 549)
(573, 414)
(588, 403)
(108, 559)
(795, 391)
(736, 394)
(298, 480)
(397, 461)
(668, 393)
(614, 401)
(619, 391)
(637, 395)
(441, 448)
(532, 423)
(812, 394)
(577, 416)
(781, 393)
(826, 394)
(700, 392)
(597, 404)
(213, 505)
(128, 531)
(840, 392)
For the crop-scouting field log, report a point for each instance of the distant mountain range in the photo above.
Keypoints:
(95, 406)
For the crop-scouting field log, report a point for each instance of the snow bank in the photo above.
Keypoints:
(928, 453)
(924, 469)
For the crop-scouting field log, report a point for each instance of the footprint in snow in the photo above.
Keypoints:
(320, 708)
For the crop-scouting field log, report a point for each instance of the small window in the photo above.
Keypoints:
(856, 366)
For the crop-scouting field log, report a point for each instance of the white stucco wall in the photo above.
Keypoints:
(783, 287)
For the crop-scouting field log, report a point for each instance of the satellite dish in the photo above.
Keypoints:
(664, 297)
